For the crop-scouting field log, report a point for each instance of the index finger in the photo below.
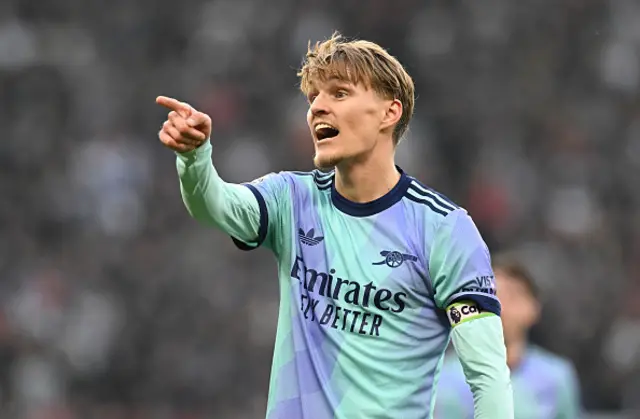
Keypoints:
(175, 105)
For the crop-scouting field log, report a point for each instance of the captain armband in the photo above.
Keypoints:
(464, 311)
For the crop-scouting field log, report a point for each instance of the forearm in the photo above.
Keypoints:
(480, 347)
(230, 207)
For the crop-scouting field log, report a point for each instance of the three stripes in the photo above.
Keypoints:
(435, 201)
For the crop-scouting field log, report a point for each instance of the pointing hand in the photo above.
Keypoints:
(185, 128)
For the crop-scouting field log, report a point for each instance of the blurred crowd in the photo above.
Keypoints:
(115, 304)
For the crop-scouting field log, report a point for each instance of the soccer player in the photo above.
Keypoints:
(377, 271)
(544, 385)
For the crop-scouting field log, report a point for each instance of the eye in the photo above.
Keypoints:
(311, 97)
(341, 94)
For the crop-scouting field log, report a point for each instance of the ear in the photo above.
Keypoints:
(393, 113)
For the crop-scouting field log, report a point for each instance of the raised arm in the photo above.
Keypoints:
(234, 209)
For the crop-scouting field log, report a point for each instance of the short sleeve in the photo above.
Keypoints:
(460, 269)
(273, 196)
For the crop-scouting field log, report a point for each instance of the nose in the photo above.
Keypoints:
(319, 106)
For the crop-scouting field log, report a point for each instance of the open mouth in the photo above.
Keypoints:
(325, 131)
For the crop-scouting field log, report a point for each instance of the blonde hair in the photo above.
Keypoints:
(360, 61)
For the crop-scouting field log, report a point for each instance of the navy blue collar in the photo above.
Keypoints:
(366, 209)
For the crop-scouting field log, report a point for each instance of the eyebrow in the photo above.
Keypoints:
(335, 80)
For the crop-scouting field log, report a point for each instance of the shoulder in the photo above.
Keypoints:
(321, 180)
(292, 179)
(429, 201)
(436, 214)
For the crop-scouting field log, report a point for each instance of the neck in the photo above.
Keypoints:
(366, 181)
(515, 352)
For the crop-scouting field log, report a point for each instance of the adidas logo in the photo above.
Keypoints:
(308, 237)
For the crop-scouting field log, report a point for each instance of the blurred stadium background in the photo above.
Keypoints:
(115, 304)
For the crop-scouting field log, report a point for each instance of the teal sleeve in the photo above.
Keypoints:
(479, 344)
(274, 194)
(232, 208)
(569, 405)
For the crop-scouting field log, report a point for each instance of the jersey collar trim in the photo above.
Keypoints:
(367, 209)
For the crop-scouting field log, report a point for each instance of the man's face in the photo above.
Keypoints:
(520, 309)
(345, 121)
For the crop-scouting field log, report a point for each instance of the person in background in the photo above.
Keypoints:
(545, 385)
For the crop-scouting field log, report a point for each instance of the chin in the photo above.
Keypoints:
(325, 161)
